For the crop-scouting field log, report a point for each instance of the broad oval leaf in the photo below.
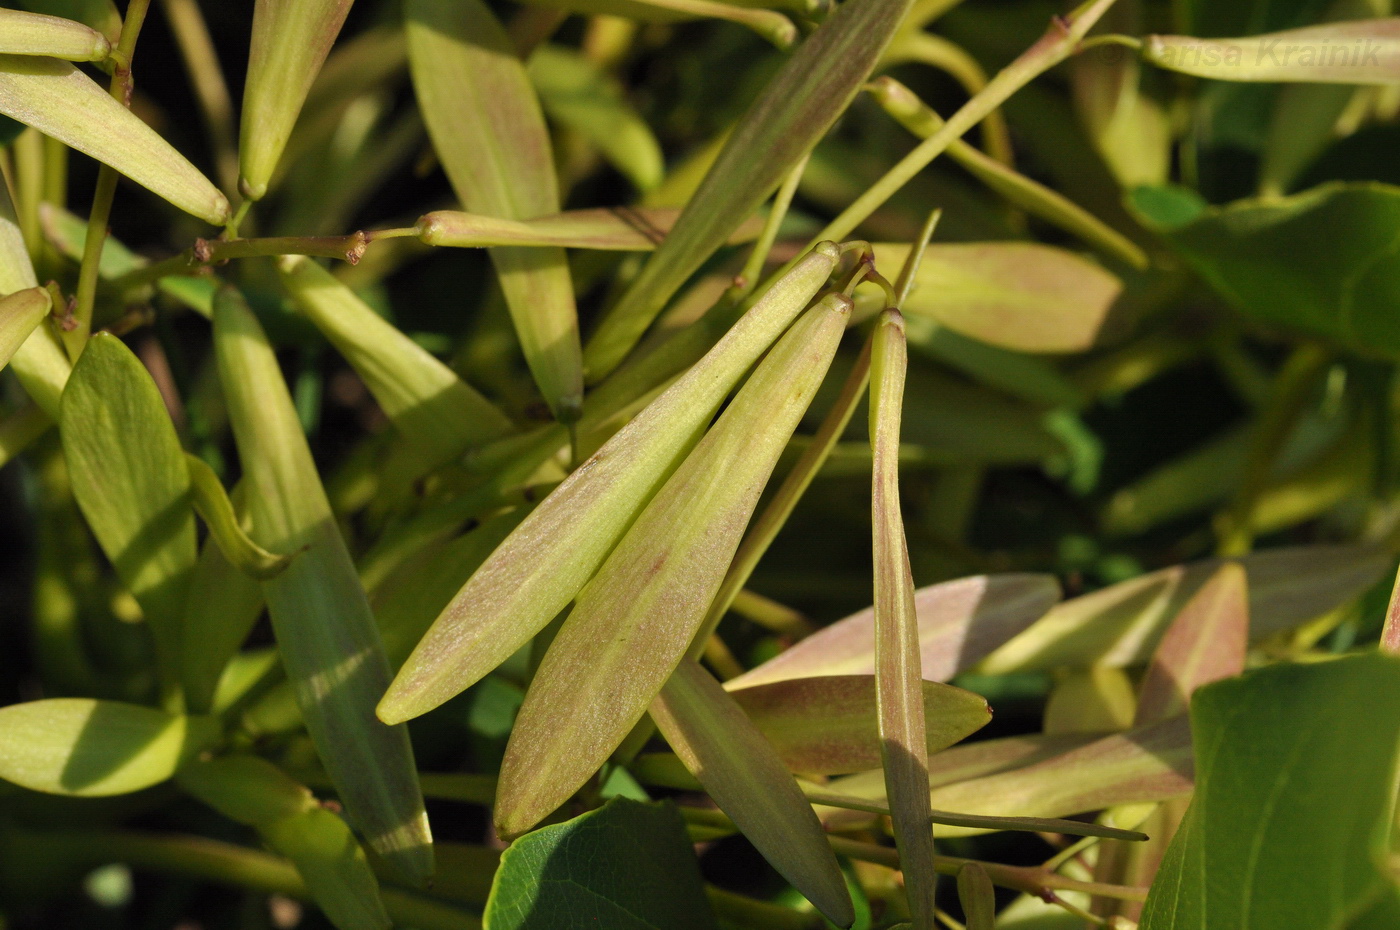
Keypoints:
(622, 229)
(130, 479)
(1287, 752)
(52, 36)
(537, 571)
(734, 763)
(960, 623)
(88, 748)
(20, 313)
(486, 125)
(827, 725)
(628, 863)
(291, 39)
(1363, 51)
(320, 616)
(636, 618)
(60, 101)
(796, 108)
(1015, 295)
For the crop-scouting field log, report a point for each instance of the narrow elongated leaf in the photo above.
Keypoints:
(579, 95)
(622, 229)
(1094, 700)
(60, 101)
(1206, 642)
(224, 604)
(78, 746)
(1015, 295)
(213, 504)
(796, 108)
(486, 125)
(977, 896)
(323, 624)
(1363, 51)
(20, 313)
(52, 36)
(1152, 763)
(898, 669)
(1287, 752)
(740, 770)
(438, 412)
(130, 480)
(291, 39)
(246, 788)
(960, 622)
(1122, 624)
(829, 726)
(333, 865)
(774, 27)
(101, 15)
(636, 618)
(537, 571)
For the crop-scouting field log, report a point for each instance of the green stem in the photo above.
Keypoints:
(782, 201)
(748, 912)
(207, 252)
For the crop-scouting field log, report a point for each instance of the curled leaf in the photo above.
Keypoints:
(212, 503)
(20, 313)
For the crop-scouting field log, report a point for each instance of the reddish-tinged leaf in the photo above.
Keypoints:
(620, 229)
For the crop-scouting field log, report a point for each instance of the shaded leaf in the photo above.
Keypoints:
(623, 229)
(246, 788)
(977, 896)
(486, 125)
(628, 863)
(20, 313)
(1355, 52)
(635, 619)
(320, 616)
(827, 725)
(537, 571)
(60, 101)
(774, 27)
(1275, 747)
(724, 750)
(224, 604)
(39, 34)
(78, 746)
(333, 865)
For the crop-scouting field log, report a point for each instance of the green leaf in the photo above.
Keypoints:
(576, 93)
(1356, 52)
(438, 413)
(291, 39)
(977, 896)
(246, 788)
(60, 101)
(20, 313)
(38, 34)
(1016, 295)
(486, 125)
(622, 229)
(101, 15)
(960, 622)
(1267, 258)
(40, 363)
(224, 604)
(625, 866)
(1295, 799)
(636, 618)
(774, 27)
(212, 503)
(1122, 624)
(827, 725)
(130, 480)
(333, 865)
(87, 748)
(540, 567)
(796, 108)
(320, 616)
(739, 769)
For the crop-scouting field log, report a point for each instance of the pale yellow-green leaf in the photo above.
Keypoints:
(438, 412)
(52, 36)
(245, 788)
(87, 748)
(320, 616)
(774, 27)
(40, 363)
(333, 865)
(623, 229)
(291, 39)
(488, 130)
(224, 604)
(20, 313)
(1363, 51)
(60, 101)
(636, 618)
(1094, 700)
(537, 571)
(130, 479)
(101, 15)
(212, 503)
(744, 775)
(977, 896)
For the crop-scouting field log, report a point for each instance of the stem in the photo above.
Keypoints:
(749, 912)
(207, 252)
(782, 201)
(101, 213)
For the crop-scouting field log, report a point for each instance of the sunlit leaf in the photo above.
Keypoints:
(740, 770)
(322, 621)
(130, 479)
(78, 746)
(774, 27)
(486, 125)
(333, 865)
(213, 505)
(1093, 700)
(960, 622)
(635, 619)
(291, 39)
(60, 101)
(624, 229)
(1355, 52)
(38, 34)
(796, 108)
(537, 571)
(101, 15)
(827, 725)
(20, 313)
(224, 603)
